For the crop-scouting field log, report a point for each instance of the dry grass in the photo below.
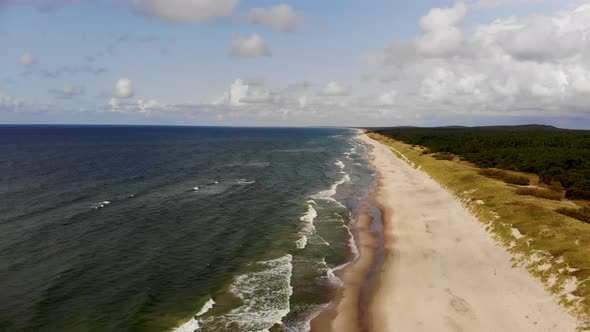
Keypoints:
(505, 176)
(549, 237)
(582, 214)
(539, 192)
(443, 156)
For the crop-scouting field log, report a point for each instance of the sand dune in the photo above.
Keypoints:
(443, 271)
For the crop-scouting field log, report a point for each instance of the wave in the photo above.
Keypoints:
(265, 296)
(206, 307)
(329, 193)
(244, 182)
(100, 205)
(308, 228)
(193, 324)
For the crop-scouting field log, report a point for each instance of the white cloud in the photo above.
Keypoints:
(243, 93)
(334, 89)
(27, 59)
(281, 17)
(529, 66)
(123, 88)
(387, 99)
(9, 103)
(249, 47)
(186, 10)
(140, 106)
(442, 34)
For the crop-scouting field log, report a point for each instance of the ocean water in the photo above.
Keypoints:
(129, 228)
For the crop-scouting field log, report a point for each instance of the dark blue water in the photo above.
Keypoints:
(142, 228)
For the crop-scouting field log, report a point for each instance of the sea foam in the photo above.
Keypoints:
(193, 324)
(329, 193)
(265, 296)
(308, 228)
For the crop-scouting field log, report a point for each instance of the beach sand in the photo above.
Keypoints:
(442, 271)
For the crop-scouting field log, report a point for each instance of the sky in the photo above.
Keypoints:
(295, 63)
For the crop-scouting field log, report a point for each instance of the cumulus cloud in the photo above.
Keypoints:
(249, 47)
(442, 33)
(27, 59)
(139, 106)
(537, 65)
(123, 88)
(281, 17)
(186, 10)
(243, 92)
(334, 89)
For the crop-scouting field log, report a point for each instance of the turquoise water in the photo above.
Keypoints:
(174, 228)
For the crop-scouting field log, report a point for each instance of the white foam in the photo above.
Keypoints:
(265, 296)
(308, 228)
(302, 242)
(244, 182)
(196, 188)
(332, 278)
(352, 243)
(193, 324)
(190, 326)
(206, 307)
(309, 215)
(101, 204)
(340, 164)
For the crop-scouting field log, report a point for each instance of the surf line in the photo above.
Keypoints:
(349, 309)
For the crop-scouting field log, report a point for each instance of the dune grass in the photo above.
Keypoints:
(554, 247)
(540, 192)
(505, 176)
(582, 214)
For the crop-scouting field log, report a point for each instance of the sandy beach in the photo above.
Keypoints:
(442, 271)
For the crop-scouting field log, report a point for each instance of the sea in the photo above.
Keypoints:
(158, 228)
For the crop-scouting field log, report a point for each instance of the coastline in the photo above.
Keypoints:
(441, 269)
(348, 310)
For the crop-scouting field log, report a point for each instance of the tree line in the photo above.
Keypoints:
(556, 155)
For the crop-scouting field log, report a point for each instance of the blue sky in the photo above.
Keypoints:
(309, 63)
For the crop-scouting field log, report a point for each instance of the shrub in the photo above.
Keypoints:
(443, 156)
(538, 192)
(505, 176)
(580, 214)
(578, 193)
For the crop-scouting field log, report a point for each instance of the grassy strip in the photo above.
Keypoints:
(553, 247)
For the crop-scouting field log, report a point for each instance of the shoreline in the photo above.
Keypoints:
(348, 310)
(441, 270)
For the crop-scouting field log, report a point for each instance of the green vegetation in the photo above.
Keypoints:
(553, 246)
(555, 155)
